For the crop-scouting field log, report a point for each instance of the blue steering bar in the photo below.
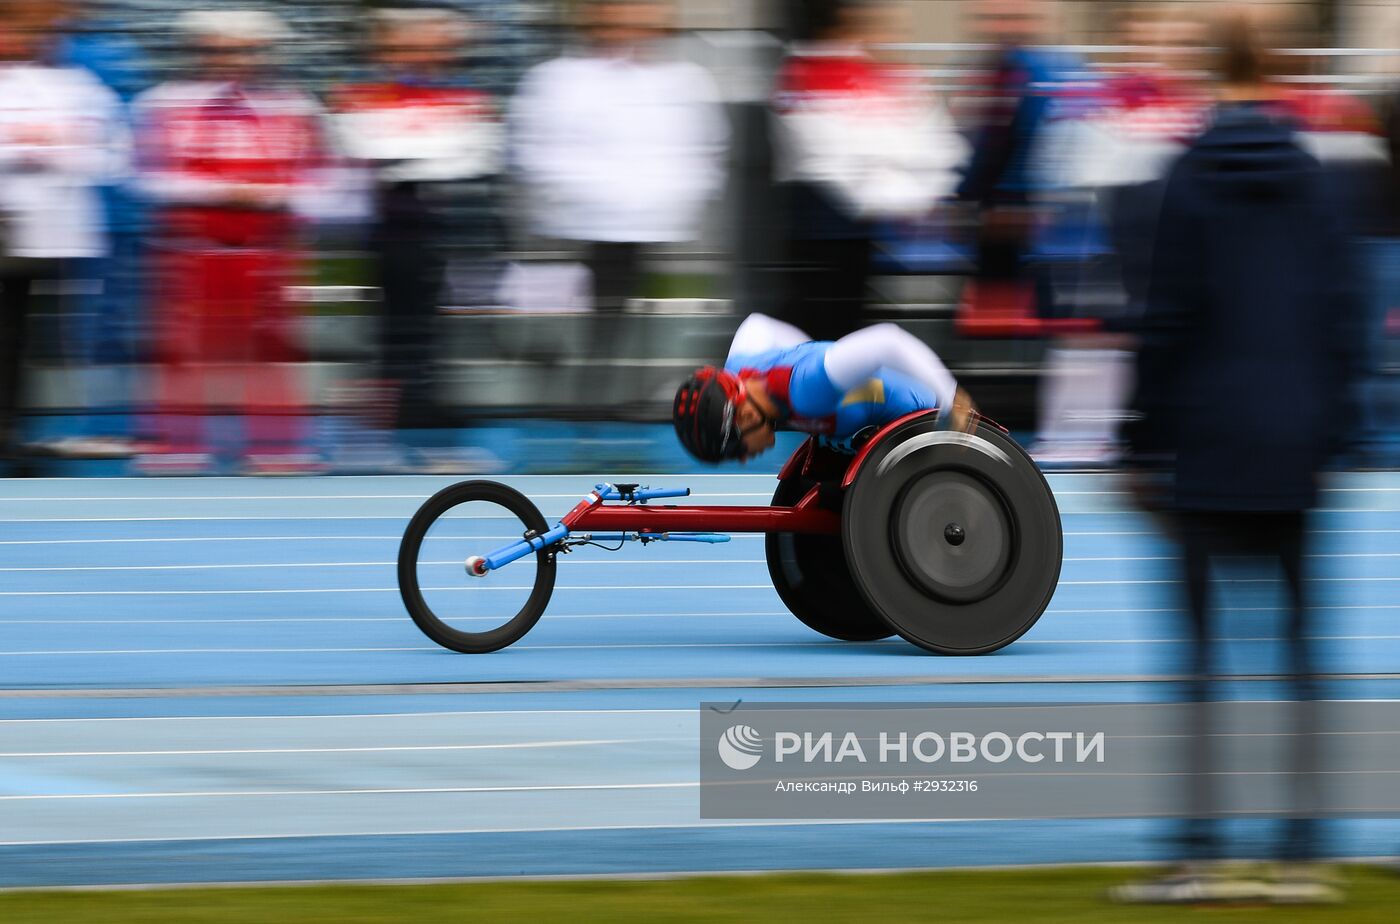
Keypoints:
(637, 493)
(478, 566)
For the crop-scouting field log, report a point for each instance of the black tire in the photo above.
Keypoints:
(810, 574)
(954, 539)
(512, 627)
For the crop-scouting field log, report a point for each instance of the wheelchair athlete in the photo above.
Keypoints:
(778, 378)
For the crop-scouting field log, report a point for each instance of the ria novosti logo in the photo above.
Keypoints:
(740, 747)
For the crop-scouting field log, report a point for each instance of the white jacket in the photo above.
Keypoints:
(61, 138)
(618, 149)
(862, 132)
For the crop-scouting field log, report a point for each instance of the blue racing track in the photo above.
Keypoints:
(214, 680)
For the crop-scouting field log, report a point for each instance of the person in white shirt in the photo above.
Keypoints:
(617, 146)
(435, 145)
(857, 144)
(61, 139)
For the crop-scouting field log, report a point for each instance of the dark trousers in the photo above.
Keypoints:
(829, 279)
(411, 271)
(1206, 538)
(16, 281)
(616, 267)
(1003, 238)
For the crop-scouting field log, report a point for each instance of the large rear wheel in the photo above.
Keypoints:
(809, 572)
(953, 538)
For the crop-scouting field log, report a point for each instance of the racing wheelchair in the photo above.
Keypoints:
(950, 539)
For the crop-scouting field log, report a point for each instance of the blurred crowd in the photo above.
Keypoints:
(164, 223)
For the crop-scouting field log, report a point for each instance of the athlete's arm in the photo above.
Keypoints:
(857, 357)
(760, 333)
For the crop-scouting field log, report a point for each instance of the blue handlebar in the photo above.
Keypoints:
(632, 493)
(610, 492)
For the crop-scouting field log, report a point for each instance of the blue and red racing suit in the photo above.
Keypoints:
(837, 388)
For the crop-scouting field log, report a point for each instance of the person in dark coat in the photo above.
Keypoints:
(1250, 345)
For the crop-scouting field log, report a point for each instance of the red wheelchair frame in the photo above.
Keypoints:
(844, 552)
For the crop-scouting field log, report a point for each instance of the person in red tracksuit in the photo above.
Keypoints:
(226, 158)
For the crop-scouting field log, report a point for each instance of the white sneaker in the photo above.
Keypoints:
(174, 463)
(283, 463)
(1304, 884)
(1192, 884)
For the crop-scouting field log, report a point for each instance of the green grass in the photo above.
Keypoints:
(1047, 896)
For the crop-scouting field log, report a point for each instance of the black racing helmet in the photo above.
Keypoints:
(705, 415)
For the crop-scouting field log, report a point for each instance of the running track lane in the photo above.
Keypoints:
(214, 680)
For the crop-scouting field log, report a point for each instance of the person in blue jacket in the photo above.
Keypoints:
(1251, 340)
(106, 331)
(778, 378)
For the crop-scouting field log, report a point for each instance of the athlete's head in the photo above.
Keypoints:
(720, 415)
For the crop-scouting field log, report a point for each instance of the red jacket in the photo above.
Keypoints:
(200, 144)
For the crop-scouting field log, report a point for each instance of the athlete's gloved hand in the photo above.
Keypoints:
(962, 416)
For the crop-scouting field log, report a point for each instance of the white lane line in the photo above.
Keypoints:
(1346, 579)
(1148, 532)
(334, 716)
(1184, 641)
(1107, 492)
(767, 495)
(1117, 611)
(596, 587)
(1116, 493)
(59, 652)
(680, 825)
(395, 537)
(401, 518)
(1228, 609)
(427, 790)
(628, 646)
(189, 651)
(588, 562)
(501, 746)
(397, 619)
(387, 564)
(375, 590)
(548, 516)
(200, 622)
(572, 787)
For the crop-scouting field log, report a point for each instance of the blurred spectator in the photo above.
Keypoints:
(1010, 117)
(60, 139)
(1151, 107)
(227, 157)
(856, 145)
(1343, 132)
(1158, 110)
(84, 38)
(104, 325)
(1381, 394)
(618, 147)
(436, 145)
(1250, 341)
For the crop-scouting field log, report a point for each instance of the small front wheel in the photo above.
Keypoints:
(470, 614)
